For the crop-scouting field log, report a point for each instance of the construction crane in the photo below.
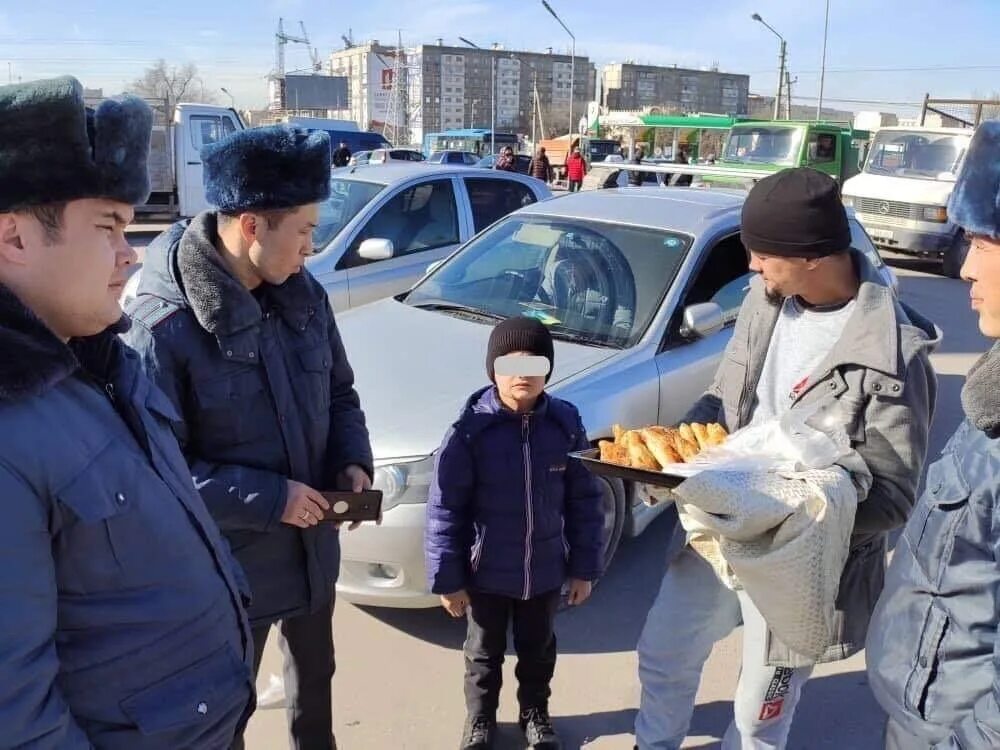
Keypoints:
(281, 39)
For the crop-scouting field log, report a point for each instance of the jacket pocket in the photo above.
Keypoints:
(233, 409)
(942, 509)
(313, 380)
(201, 692)
(921, 679)
(91, 550)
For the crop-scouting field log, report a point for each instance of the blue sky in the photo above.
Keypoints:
(110, 42)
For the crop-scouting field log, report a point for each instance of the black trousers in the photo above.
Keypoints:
(574, 185)
(307, 646)
(534, 641)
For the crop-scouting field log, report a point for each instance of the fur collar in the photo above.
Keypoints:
(981, 393)
(222, 305)
(33, 359)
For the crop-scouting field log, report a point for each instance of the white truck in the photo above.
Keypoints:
(901, 196)
(175, 170)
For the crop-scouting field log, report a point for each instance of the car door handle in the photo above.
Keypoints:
(194, 163)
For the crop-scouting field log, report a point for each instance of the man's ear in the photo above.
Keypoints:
(11, 241)
(248, 227)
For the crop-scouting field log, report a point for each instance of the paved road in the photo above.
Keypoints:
(399, 672)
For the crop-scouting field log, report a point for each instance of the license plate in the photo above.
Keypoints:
(881, 234)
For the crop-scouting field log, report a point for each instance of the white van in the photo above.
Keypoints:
(901, 197)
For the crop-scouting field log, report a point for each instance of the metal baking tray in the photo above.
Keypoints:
(591, 459)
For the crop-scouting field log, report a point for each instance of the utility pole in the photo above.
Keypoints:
(782, 53)
(534, 102)
(788, 95)
(822, 67)
(493, 98)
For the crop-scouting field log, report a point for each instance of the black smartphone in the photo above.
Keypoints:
(353, 506)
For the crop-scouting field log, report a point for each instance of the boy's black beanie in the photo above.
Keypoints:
(519, 335)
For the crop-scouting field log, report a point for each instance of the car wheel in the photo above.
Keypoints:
(954, 256)
(613, 491)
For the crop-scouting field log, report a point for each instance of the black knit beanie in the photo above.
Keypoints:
(519, 335)
(795, 213)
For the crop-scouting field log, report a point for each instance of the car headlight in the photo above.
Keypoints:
(936, 213)
(848, 200)
(404, 481)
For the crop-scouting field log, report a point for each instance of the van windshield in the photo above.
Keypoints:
(917, 154)
(763, 145)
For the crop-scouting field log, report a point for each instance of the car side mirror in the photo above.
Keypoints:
(701, 320)
(376, 249)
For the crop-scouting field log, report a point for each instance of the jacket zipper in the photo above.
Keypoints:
(525, 422)
(477, 553)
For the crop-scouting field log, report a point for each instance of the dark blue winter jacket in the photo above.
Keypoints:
(121, 620)
(509, 513)
(265, 393)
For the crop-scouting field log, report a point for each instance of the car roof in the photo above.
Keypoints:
(396, 171)
(681, 209)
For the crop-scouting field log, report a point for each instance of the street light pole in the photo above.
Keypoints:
(782, 52)
(822, 67)
(572, 63)
(232, 101)
(493, 98)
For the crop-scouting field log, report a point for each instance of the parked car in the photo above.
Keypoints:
(383, 155)
(521, 162)
(383, 225)
(359, 158)
(463, 158)
(663, 275)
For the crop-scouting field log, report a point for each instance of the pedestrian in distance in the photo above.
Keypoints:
(342, 156)
(540, 168)
(635, 178)
(506, 161)
(576, 169)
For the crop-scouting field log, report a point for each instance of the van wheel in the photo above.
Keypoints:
(954, 256)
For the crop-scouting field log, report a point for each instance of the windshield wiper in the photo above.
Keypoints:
(583, 338)
(455, 307)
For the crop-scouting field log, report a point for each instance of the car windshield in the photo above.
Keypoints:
(347, 198)
(925, 156)
(763, 145)
(588, 281)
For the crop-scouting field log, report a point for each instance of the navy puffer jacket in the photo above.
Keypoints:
(509, 513)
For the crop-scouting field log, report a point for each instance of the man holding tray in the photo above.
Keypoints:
(242, 338)
(819, 329)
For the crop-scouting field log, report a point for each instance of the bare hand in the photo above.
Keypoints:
(355, 479)
(579, 591)
(304, 506)
(456, 604)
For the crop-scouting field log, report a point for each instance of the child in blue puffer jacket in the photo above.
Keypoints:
(510, 519)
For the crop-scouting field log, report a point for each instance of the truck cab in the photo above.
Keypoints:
(175, 168)
(901, 196)
(832, 148)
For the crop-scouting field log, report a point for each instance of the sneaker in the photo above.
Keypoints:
(478, 734)
(538, 731)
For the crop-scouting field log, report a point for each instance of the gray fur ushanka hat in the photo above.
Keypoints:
(267, 168)
(53, 149)
(975, 201)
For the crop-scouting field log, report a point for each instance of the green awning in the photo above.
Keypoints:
(699, 122)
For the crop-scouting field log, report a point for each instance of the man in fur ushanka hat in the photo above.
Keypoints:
(243, 340)
(121, 610)
(934, 641)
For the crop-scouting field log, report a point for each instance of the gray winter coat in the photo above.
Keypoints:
(934, 643)
(121, 620)
(880, 374)
(266, 394)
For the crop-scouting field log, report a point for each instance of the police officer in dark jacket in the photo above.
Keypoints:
(635, 178)
(121, 617)
(242, 338)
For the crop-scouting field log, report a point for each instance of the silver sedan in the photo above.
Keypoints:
(639, 289)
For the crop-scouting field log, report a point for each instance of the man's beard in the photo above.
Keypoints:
(773, 295)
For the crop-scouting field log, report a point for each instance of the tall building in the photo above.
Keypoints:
(627, 86)
(450, 88)
(370, 69)
(442, 87)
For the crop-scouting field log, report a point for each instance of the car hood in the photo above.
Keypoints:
(906, 189)
(415, 369)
